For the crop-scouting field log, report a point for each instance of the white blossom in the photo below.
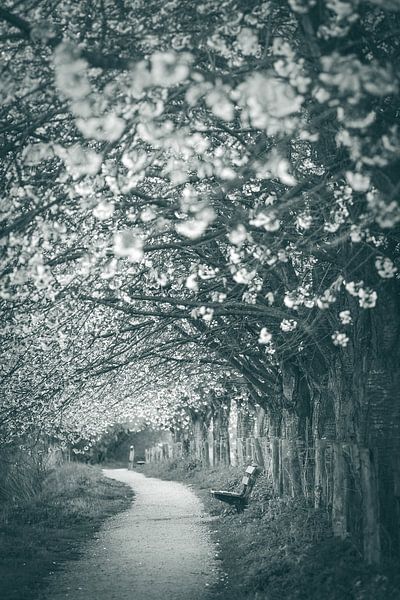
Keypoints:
(385, 267)
(353, 287)
(326, 299)
(127, 244)
(70, 73)
(108, 127)
(196, 226)
(269, 221)
(358, 182)
(270, 298)
(170, 68)
(356, 234)
(288, 324)
(78, 160)
(238, 235)
(243, 276)
(265, 336)
(247, 41)
(340, 339)
(269, 102)
(191, 282)
(304, 221)
(367, 298)
(103, 210)
(345, 317)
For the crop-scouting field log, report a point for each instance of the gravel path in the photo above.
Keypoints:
(159, 549)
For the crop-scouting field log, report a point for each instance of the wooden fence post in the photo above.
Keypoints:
(239, 451)
(340, 493)
(275, 466)
(258, 453)
(369, 487)
(284, 471)
(293, 464)
(249, 452)
(319, 474)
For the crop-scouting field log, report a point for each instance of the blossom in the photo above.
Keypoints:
(33, 154)
(218, 297)
(367, 298)
(204, 312)
(170, 68)
(78, 160)
(247, 42)
(276, 167)
(352, 78)
(108, 127)
(331, 227)
(238, 235)
(321, 95)
(340, 339)
(304, 221)
(148, 214)
(291, 300)
(196, 226)
(243, 276)
(269, 221)
(326, 299)
(70, 73)
(270, 298)
(282, 256)
(221, 106)
(301, 6)
(128, 244)
(269, 102)
(345, 317)
(192, 283)
(265, 336)
(356, 234)
(103, 210)
(353, 287)
(359, 182)
(385, 267)
(206, 272)
(288, 324)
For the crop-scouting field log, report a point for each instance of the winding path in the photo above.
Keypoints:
(159, 549)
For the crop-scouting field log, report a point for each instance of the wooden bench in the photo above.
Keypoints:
(240, 499)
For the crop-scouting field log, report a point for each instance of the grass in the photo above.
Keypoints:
(39, 533)
(280, 547)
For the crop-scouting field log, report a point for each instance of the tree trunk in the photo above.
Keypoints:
(221, 434)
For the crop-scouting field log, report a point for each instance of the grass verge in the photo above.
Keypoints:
(280, 547)
(39, 534)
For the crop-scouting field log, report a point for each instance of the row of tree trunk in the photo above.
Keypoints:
(342, 478)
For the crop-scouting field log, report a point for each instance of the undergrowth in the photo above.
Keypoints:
(39, 532)
(280, 548)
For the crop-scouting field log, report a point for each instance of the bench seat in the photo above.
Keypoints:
(240, 499)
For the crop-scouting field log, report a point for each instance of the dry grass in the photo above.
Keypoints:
(40, 532)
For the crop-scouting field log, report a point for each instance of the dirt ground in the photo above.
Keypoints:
(161, 548)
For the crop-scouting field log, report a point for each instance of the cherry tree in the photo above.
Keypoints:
(212, 183)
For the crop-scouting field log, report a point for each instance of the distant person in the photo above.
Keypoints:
(131, 457)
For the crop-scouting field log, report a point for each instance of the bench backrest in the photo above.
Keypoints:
(249, 479)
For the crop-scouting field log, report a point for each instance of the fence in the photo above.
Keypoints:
(338, 477)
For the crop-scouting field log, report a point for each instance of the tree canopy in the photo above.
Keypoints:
(195, 195)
